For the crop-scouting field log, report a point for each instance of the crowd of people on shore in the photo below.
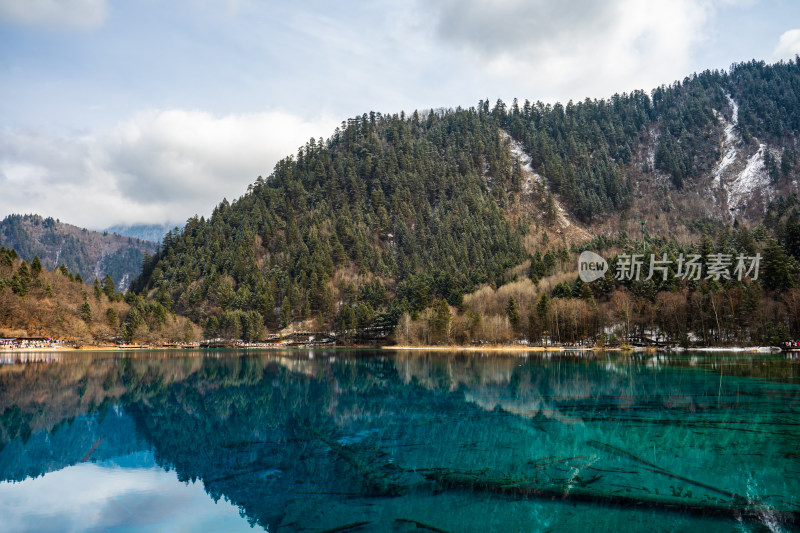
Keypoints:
(29, 343)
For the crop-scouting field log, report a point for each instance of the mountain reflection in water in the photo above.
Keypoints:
(384, 441)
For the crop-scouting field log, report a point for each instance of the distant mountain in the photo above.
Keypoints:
(145, 232)
(88, 253)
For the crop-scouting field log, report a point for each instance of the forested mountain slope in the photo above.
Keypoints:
(415, 204)
(394, 213)
(91, 254)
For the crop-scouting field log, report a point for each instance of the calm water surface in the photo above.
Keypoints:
(382, 441)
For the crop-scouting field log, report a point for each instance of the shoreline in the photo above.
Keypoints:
(513, 348)
(521, 348)
(494, 348)
(92, 348)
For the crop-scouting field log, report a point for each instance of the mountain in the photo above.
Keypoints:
(36, 302)
(401, 214)
(144, 232)
(88, 253)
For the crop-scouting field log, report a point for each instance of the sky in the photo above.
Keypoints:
(148, 111)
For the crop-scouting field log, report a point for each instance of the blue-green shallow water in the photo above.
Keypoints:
(384, 441)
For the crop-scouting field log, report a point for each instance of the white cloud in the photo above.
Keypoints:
(77, 14)
(578, 48)
(158, 166)
(196, 155)
(788, 46)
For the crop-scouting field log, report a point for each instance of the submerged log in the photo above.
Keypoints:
(658, 470)
(92, 449)
(421, 525)
(478, 481)
(348, 527)
(376, 484)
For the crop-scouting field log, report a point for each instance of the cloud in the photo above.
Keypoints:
(788, 46)
(73, 14)
(193, 154)
(577, 48)
(157, 166)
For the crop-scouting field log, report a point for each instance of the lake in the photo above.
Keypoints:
(363, 440)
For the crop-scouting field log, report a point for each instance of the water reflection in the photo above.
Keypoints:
(380, 441)
(130, 492)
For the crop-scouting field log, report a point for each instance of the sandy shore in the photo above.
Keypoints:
(502, 348)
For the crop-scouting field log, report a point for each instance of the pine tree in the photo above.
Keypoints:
(112, 317)
(550, 209)
(786, 163)
(36, 267)
(86, 312)
(21, 281)
(513, 313)
(441, 321)
(779, 271)
(542, 305)
(108, 287)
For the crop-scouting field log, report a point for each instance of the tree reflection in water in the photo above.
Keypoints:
(397, 441)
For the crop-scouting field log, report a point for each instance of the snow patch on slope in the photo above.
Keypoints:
(651, 149)
(525, 162)
(737, 176)
(753, 177)
(734, 109)
(98, 266)
(730, 141)
(518, 152)
(531, 176)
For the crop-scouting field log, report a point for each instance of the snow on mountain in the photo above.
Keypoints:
(740, 176)
(525, 161)
(729, 143)
(752, 178)
(530, 181)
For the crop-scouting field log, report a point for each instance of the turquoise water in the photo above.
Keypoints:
(397, 441)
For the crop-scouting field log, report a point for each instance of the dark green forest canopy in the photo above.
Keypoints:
(399, 198)
(418, 204)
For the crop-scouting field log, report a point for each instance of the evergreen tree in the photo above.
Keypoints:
(779, 271)
(36, 267)
(542, 305)
(21, 281)
(441, 321)
(86, 312)
(108, 287)
(512, 313)
(112, 317)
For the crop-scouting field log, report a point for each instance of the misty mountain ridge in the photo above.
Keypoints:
(144, 232)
